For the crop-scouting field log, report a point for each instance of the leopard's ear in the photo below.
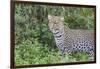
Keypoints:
(49, 17)
(62, 18)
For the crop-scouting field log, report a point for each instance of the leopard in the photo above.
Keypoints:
(69, 40)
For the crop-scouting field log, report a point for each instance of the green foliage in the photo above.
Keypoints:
(79, 18)
(34, 43)
(29, 53)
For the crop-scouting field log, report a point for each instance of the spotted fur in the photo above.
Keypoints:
(70, 41)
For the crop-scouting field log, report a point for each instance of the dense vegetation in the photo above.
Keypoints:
(34, 43)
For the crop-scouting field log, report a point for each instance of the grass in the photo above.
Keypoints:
(35, 53)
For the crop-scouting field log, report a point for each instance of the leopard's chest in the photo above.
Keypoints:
(59, 39)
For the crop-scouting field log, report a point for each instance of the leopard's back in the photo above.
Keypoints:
(79, 41)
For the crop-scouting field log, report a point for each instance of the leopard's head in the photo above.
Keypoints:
(55, 22)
